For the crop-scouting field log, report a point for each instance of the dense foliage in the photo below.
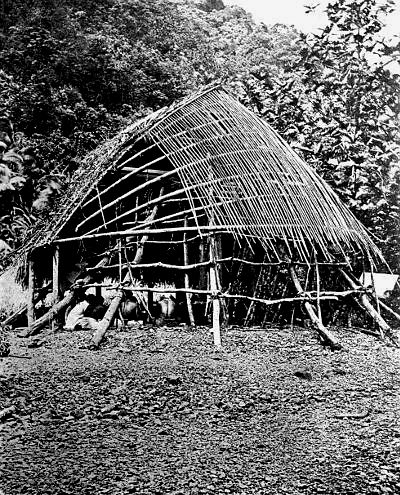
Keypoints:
(74, 72)
(339, 106)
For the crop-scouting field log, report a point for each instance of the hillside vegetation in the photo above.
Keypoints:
(75, 72)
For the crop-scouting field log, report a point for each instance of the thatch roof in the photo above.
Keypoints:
(245, 177)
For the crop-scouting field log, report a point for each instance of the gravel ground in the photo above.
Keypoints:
(160, 411)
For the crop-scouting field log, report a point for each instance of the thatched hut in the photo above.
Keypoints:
(207, 195)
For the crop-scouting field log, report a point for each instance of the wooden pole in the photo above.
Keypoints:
(56, 281)
(31, 290)
(11, 319)
(200, 265)
(366, 304)
(324, 332)
(318, 282)
(57, 308)
(223, 305)
(140, 232)
(389, 310)
(326, 296)
(105, 323)
(56, 274)
(272, 292)
(150, 304)
(132, 191)
(52, 313)
(38, 295)
(134, 171)
(378, 309)
(230, 259)
(186, 280)
(216, 304)
(120, 260)
(250, 311)
(114, 305)
(147, 305)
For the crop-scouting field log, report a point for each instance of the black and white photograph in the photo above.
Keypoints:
(200, 247)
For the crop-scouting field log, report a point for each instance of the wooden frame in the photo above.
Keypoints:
(227, 175)
(31, 292)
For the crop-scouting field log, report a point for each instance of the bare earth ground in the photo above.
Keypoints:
(159, 411)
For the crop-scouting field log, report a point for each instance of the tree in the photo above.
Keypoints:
(339, 106)
(75, 72)
(14, 188)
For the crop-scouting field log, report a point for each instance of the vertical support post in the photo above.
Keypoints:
(136, 206)
(114, 305)
(120, 317)
(216, 303)
(31, 290)
(384, 328)
(186, 279)
(56, 283)
(318, 281)
(223, 305)
(150, 302)
(251, 309)
(378, 309)
(202, 258)
(120, 259)
(56, 274)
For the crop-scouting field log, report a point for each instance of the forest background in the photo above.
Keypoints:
(74, 72)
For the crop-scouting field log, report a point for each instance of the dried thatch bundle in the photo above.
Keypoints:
(12, 296)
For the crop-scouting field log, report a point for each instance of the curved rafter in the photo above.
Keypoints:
(260, 186)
